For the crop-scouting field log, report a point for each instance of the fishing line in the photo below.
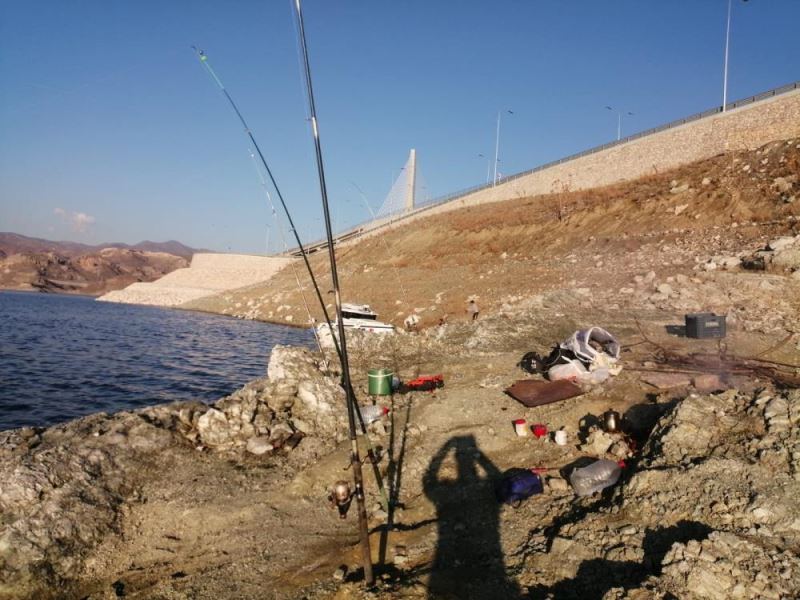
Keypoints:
(372, 455)
(204, 61)
(351, 401)
(373, 458)
(286, 247)
(386, 245)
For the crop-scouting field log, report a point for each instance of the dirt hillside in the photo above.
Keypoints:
(598, 240)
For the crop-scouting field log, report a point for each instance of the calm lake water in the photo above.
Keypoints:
(63, 357)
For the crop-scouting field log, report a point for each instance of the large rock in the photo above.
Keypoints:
(319, 401)
(782, 243)
(214, 428)
(62, 492)
(789, 258)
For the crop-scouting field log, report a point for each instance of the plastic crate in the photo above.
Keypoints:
(705, 325)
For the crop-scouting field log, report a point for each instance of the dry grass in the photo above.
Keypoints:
(529, 245)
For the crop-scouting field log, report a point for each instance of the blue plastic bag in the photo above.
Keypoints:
(517, 485)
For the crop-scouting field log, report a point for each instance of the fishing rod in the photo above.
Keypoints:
(370, 452)
(366, 555)
(204, 61)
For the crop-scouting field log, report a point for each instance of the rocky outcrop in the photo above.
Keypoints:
(63, 490)
(91, 273)
(293, 401)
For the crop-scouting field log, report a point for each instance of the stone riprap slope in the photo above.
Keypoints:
(742, 129)
(208, 274)
(746, 127)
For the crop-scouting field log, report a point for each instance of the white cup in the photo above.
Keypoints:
(560, 437)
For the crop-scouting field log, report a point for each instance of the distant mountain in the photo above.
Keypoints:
(170, 247)
(13, 243)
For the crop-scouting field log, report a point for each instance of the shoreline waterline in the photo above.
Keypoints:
(66, 358)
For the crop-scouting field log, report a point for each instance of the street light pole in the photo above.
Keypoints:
(497, 145)
(725, 69)
(496, 149)
(619, 120)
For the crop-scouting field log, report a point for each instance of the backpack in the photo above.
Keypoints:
(516, 485)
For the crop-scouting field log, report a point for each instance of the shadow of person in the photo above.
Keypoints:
(469, 557)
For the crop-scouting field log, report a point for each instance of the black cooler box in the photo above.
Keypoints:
(705, 325)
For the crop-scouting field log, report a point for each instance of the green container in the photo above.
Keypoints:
(380, 382)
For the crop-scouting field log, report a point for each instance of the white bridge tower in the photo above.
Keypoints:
(408, 190)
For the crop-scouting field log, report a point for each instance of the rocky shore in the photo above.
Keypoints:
(67, 488)
(229, 500)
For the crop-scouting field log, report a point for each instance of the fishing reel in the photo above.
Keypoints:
(341, 496)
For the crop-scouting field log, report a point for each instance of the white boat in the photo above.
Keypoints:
(357, 317)
(361, 316)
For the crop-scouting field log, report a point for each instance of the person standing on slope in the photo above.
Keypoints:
(472, 309)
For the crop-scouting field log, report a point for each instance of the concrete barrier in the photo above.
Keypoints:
(742, 128)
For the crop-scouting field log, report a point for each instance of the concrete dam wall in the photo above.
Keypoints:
(743, 128)
(208, 274)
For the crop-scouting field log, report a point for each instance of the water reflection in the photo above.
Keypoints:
(63, 356)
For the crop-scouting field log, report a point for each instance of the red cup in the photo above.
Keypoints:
(539, 430)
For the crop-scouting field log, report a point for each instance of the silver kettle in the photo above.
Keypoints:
(612, 421)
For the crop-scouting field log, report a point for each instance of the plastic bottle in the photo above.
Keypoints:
(372, 413)
(595, 477)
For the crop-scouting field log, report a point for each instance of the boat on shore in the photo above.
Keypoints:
(356, 317)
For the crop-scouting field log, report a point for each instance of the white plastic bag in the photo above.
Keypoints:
(571, 371)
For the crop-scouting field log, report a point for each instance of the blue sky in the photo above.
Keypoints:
(110, 130)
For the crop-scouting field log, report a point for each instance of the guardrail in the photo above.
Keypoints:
(364, 227)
